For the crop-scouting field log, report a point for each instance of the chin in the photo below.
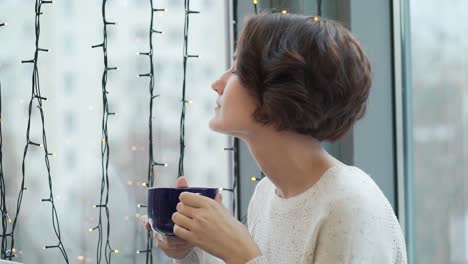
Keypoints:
(216, 125)
(223, 129)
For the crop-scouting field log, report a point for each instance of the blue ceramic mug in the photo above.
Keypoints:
(162, 203)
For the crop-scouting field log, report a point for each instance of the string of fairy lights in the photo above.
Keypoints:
(151, 161)
(6, 252)
(235, 147)
(36, 96)
(105, 152)
(184, 101)
(3, 207)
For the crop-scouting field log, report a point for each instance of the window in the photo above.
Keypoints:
(437, 131)
(73, 119)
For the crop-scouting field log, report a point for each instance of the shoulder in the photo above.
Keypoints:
(360, 219)
(349, 187)
(356, 203)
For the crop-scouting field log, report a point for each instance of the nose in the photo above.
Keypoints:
(218, 86)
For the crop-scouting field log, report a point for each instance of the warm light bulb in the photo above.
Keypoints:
(316, 18)
(255, 2)
(284, 12)
(116, 251)
(253, 179)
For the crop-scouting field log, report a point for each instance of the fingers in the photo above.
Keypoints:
(186, 210)
(173, 246)
(182, 220)
(169, 241)
(219, 198)
(194, 200)
(182, 182)
(183, 233)
(144, 221)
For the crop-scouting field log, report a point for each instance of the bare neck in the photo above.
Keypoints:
(292, 162)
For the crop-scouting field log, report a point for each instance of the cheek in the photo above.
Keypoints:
(239, 106)
(238, 96)
(235, 114)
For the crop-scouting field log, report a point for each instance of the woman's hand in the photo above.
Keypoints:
(207, 224)
(173, 247)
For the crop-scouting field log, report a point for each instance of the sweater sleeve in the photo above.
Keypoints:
(198, 256)
(358, 231)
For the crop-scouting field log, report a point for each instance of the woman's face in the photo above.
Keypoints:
(234, 106)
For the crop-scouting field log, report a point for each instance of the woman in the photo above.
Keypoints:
(296, 81)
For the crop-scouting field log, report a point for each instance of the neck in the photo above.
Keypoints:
(292, 162)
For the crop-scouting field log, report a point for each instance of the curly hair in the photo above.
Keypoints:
(309, 75)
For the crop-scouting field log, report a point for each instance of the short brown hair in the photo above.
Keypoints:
(309, 74)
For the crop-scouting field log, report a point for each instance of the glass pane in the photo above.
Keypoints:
(70, 78)
(439, 73)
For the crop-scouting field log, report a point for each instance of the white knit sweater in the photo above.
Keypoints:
(343, 218)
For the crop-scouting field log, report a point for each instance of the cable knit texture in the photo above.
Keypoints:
(343, 218)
